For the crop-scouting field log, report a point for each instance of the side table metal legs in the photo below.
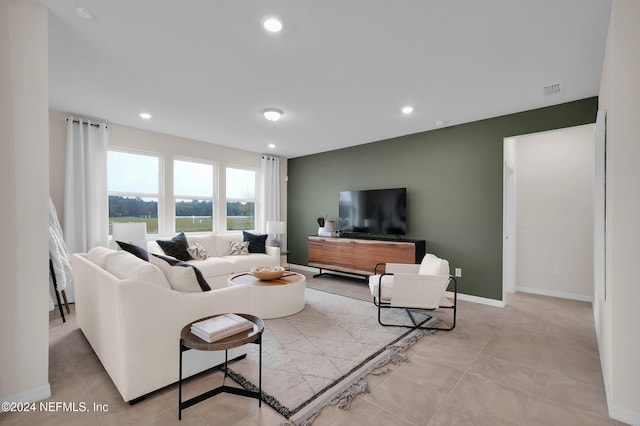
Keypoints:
(224, 388)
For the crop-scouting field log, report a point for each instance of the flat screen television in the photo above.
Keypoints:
(373, 211)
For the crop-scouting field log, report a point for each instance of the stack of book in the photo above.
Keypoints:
(217, 328)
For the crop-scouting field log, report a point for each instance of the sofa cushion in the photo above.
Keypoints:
(257, 242)
(206, 241)
(221, 242)
(245, 263)
(124, 265)
(176, 247)
(238, 249)
(99, 254)
(181, 275)
(135, 250)
(214, 266)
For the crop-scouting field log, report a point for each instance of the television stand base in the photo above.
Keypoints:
(337, 274)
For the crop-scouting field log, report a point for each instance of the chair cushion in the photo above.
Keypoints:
(430, 265)
(387, 286)
(433, 265)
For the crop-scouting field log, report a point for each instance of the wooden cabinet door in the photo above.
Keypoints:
(357, 256)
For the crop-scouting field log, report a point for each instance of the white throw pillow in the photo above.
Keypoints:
(181, 278)
(99, 255)
(124, 265)
(430, 265)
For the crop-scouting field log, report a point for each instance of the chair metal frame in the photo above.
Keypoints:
(416, 325)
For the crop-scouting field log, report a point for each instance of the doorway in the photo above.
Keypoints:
(548, 213)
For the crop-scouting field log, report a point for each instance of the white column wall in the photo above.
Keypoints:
(24, 185)
(618, 316)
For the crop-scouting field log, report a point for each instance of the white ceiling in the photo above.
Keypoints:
(340, 70)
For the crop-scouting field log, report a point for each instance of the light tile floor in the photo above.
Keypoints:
(534, 362)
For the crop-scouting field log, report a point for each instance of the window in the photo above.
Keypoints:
(193, 189)
(133, 182)
(241, 199)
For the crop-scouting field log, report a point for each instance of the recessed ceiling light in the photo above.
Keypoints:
(272, 114)
(407, 110)
(272, 24)
(272, 145)
(145, 115)
(84, 13)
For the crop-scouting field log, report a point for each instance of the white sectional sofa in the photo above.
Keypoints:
(132, 317)
(219, 264)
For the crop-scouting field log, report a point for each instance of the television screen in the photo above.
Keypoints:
(375, 211)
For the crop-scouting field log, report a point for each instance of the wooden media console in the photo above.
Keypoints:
(359, 256)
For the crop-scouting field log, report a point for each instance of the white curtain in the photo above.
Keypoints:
(269, 191)
(86, 216)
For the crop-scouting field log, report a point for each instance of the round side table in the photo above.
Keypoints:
(190, 341)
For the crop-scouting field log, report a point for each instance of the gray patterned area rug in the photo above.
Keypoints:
(321, 355)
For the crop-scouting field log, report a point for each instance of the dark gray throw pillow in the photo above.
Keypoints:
(204, 285)
(257, 243)
(176, 247)
(134, 250)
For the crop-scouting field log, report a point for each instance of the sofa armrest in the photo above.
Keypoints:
(404, 268)
(274, 251)
(151, 319)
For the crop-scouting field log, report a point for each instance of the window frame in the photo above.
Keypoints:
(253, 200)
(214, 197)
(159, 195)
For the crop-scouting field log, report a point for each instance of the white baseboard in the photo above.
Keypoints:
(481, 300)
(560, 294)
(32, 395)
(624, 415)
(461, 296)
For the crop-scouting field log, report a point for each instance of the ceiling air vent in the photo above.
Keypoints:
(552, 89)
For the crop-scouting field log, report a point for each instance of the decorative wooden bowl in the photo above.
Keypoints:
(267, 273)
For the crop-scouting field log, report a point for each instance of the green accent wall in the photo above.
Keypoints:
(453, 178)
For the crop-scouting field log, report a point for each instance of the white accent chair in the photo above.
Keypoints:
(415, 288)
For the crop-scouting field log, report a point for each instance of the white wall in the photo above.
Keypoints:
(555, 212)
(618, 316)
(24, 181)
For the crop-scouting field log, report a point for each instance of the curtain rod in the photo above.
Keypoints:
(84, 123)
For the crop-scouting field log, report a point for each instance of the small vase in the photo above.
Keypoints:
(320, 231)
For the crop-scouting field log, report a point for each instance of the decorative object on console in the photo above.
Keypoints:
(257, 242)
(130, 232)
(181, 275)
(276, 228)
(267, 273)
(176, 247)
(321, 221)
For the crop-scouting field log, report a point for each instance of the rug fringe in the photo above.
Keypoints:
(343, 401)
